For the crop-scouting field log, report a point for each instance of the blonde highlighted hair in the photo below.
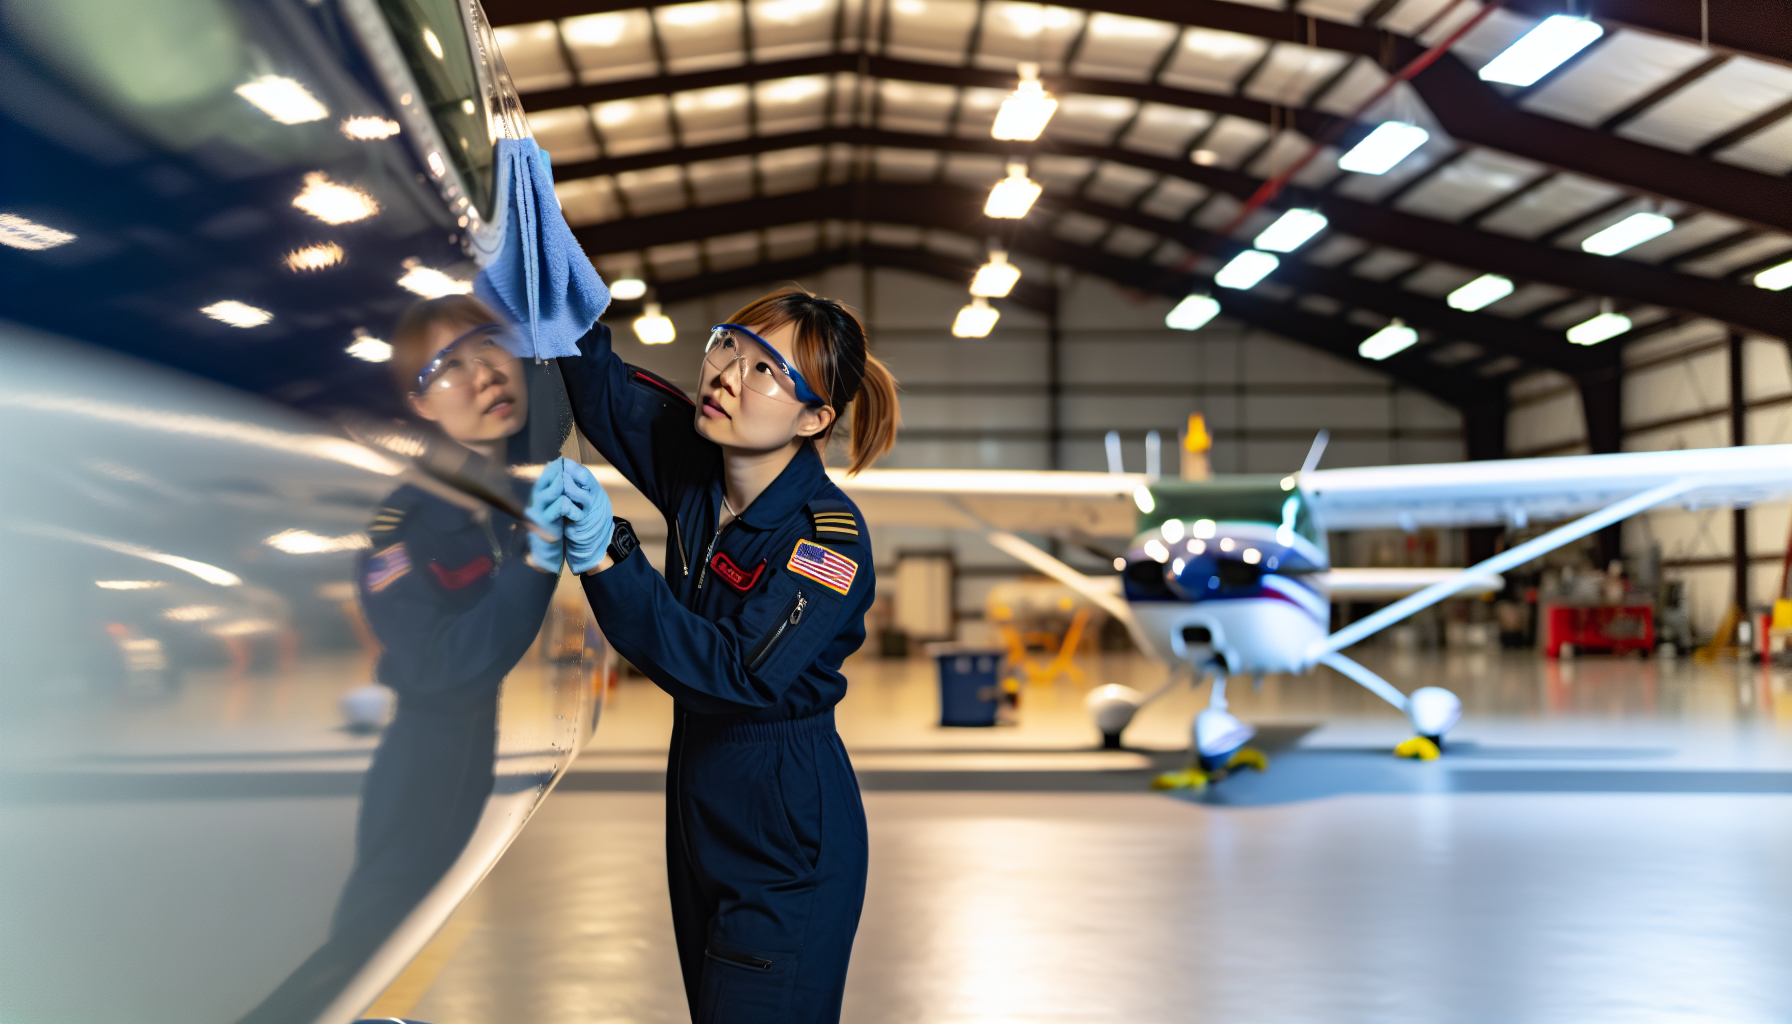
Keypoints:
(833, 355)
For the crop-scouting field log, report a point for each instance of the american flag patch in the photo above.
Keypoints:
(823, 566)
(383, 567)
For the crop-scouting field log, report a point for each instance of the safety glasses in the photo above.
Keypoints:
(762, 368)
(456, 364)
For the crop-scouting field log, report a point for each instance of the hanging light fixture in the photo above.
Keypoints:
(1606, 325)
(1628, 233)
(1481, 292)
(627, 289)
(1013, 196)
(1026, 110)
(1541, 50)
(995, 279)
(1246, 269)
(654, 327)
(976, 320)
(1291, 230)
(1390, 143)
(1192, 313)
(1395, 337)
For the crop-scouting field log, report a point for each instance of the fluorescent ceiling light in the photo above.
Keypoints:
(1291, 230)
(654, 327)
(1192, 313)
(1628, 233)
(370, 348)
(365, 128)
(430, 282)
(1775, 279)
(1390, 143)
(434, 44)
(1395, 337)
(1605, 325)
(237, 314)
(128, 584)
(996, 278)
(1141, 496)
(192, 613)
(333, 203)
(1013, 196)
(1026, 110)
(976, 320)
(21, 233)
(628, 289)
(1541, 50)
(283, 99)
(314, 257)
(1246, 269)
(1480, 293)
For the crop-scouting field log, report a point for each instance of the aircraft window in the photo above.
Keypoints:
(433, 37)
(1146, 579)
(1238, 574)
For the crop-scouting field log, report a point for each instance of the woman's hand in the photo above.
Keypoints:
(589, 520)
(547, 504)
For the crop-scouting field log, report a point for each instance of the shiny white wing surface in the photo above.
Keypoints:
(1516, 491)
(1382, 584)
(1099, 504)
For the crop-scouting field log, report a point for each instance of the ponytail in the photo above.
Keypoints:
(875, 416)
(833, 355)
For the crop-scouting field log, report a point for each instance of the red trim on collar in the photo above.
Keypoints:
(737, 577)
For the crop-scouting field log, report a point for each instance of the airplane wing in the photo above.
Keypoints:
(1517, 491)
(1098, 504)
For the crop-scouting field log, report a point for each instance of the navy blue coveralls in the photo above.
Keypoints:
(765, 832)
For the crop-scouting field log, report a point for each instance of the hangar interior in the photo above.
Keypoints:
(1446, 234)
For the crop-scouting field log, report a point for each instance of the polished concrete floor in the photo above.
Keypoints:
(1608, 840)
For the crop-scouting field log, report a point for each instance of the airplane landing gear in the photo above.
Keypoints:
(1219, 749)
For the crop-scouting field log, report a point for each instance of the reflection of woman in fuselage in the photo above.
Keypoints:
(454, 605)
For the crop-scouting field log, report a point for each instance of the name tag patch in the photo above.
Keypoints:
(736, 577)
(822, 565)
(385, 566)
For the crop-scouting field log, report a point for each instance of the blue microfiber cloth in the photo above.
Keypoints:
(539, 277)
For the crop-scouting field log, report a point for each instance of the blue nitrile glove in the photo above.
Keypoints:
(546, 506)
(589, 521)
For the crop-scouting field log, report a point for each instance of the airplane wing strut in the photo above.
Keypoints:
(1370, 681)
(1505, 560)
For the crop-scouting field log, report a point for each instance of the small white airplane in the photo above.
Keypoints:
(1229, 576)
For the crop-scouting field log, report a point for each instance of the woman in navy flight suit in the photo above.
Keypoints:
(767, 578)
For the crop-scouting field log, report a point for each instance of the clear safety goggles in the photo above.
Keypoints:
(456, 365)
(762, 368)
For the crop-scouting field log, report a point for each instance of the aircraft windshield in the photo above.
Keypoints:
(1252, 499)
(434, 40)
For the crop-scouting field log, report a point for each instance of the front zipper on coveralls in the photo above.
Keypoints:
(793, 614)
(742, 959)
(683, 558)
(703, 574)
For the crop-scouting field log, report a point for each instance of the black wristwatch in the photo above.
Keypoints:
(622, 541)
